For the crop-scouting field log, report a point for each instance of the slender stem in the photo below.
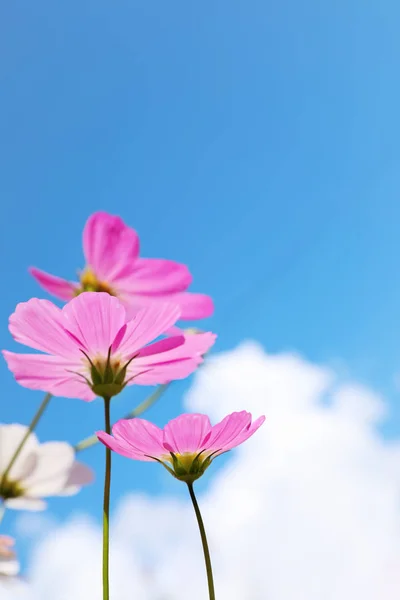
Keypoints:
(203, 536)
(31, 427)
(106, 505)
(2, 510)
(136, 412)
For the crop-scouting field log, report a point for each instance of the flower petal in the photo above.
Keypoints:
(146, 326)
(120, 448)
(174, 330)
(162, 347)
(195, 346)
(169, 363)
(186, 433)
(52, 469)
(163, 372)
(154, 276)
(110, 247)
(250, 431)
(25, 503)
(10, 438)
(49, 374)
(193, 306)
(79, 475)
(39, 324)
(110, 442)
(6, 541)
(94, 319)
(9, 567)
(231, 431)
(139, 436)
(61, 288)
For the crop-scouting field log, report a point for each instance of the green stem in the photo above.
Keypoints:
(136, 412)
(2, 510)
(203, 536)
(106, 506)
(30, 429)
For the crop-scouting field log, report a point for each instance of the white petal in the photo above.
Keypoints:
(25, 503)
(10, 437)
(79, 475)
(52, 471)
(9, 567)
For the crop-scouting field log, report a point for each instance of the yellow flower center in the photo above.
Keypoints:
(90, 283)
(188, 466)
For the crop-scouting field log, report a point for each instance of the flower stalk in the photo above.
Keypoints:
(92, 440)
(204, 542)
(106, 506)
(30, 429)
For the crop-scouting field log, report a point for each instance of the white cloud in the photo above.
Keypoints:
(308, 509)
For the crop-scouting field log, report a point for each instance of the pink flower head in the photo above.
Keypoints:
(186, 446)
(113, 265)
(93, 349)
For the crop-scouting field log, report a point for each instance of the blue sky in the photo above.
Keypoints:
(256, 141)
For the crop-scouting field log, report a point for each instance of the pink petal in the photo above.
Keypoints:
(186, 433)
(193, 306)
(146, 326)
(197, 344)
(163, 347)
(250, 431)
(154, 374)
(155, 276)
(231, 431)
(39, 324)
(139, 436)
(79, 475)
(160, 353)
(61, 288)
(228, 429)
(94, 319)
(110, 442)
(174, 330)
(110, 247)
(7, 541)
(48, 374)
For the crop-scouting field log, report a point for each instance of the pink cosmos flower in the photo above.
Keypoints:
(186, 446)
(113, 265)
(92, 348)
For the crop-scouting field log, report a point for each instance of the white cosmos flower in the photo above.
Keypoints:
(41, 470)
(9, 565)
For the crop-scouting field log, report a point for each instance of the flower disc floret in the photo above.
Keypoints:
(187, 467)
